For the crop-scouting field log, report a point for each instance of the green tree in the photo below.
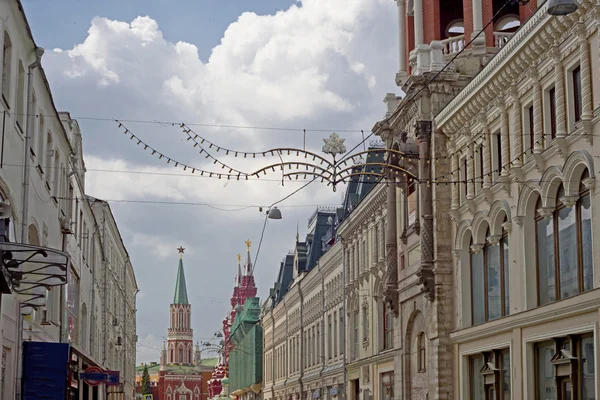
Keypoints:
(146, 389)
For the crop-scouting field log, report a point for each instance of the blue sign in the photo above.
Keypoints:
(113, 378)
(93, 376)
(45, 371)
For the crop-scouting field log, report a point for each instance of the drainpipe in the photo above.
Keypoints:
(28, 132)
(105, 287)
(25, 216)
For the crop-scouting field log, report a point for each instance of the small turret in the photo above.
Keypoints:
(163, 358)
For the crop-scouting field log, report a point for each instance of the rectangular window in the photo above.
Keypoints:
(356, 335)
(481, 169)
(462, 191)
(552, 105)
(72, 306)
(21, 98)
(387, 385)
(576, 75)
(335, 334)
(341, 330)
(6, 64)
(388, 327)
(329, 337)
(531, 133)
(484, 383)
(498, 139)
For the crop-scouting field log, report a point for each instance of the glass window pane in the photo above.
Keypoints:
(506, 265)
(545, 259)
(586, 243)
(478, 288)
(567, 242)
(493, 282)
(546, 384)
(505, 380)
(588, 369)
(476, 379)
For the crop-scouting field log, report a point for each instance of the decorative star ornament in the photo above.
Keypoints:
(180, 249)
(334, 145)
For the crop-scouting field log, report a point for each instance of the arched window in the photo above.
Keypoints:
(508, 23)
(564, 247)
(181, 355)
(422, 352)
(455, 28)
(489, 279)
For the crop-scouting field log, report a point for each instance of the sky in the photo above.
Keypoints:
(248, 77)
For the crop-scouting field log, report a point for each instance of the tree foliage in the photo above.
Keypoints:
(146, 389)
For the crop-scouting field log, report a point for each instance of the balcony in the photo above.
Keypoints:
(454, 44)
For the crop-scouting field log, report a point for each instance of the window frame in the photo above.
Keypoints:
(583, 192)
(577, 99)
(421, 353)
(504, 290)
(388, 327)
(552, 111)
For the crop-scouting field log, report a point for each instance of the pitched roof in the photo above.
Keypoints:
(181, 296)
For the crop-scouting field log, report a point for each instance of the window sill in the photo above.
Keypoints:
(19, 128)
(6, 105)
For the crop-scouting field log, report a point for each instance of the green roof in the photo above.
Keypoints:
(180, 288)
(155, 367)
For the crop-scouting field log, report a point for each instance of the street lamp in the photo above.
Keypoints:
(561, 7)
(274, 213)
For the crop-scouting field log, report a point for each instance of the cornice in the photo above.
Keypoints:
(364, 212)
(541, 27)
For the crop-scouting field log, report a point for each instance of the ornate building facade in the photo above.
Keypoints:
(180, 374)
(525, 211)
(497, 152)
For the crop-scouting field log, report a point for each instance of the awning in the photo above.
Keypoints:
(32, 271)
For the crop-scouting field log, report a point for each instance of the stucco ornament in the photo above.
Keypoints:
(334, 145)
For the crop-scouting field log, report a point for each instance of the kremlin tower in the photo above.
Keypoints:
(180, 374)
(243, 289)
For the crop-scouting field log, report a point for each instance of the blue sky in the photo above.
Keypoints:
(61, 23)
(315, 64)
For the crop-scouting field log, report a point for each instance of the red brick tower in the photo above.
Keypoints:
(180, 341)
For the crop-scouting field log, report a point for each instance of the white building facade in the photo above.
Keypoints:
(48, 176)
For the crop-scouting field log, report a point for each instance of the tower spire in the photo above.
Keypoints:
(180, 286)
(248, 260)
(238, 279)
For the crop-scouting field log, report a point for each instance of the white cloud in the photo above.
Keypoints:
(269, 67)
(148, 349)
(320, 64)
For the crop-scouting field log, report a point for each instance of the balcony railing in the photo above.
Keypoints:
(455, 44)
(500, 38)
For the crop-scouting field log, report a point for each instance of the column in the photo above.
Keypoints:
(559, 91)
(538, 122)
(517, 132)
(418, 18)
(470, 172)
(586, 81)
(504, 139)
(391, 249)
(487, 152)
(479, 43)
(425, 196)
(402, 39)
(455, 177)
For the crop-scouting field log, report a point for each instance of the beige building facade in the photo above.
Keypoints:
(525, 210)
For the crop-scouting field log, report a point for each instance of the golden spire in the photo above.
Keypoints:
(248, 244)
(239, 257)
